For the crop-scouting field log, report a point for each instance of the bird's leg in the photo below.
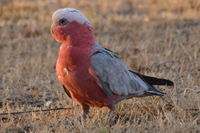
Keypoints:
(111, 113)
(85, 109)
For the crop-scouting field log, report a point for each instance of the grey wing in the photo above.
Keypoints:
(114, 76)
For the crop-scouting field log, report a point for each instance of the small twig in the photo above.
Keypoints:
(157, 64)
(185, 109)
(192, 109)
(33, 111)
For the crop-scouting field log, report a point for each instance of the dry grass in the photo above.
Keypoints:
(155, 37)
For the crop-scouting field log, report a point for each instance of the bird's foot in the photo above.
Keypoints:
(72, 122)
(111, 116)
(81, 118)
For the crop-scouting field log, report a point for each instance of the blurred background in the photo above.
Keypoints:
(155, 37)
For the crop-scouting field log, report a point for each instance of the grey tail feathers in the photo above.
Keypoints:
(152, 92)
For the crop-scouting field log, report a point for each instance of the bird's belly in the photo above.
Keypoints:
(83, 88)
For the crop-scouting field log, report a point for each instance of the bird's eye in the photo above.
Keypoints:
(63, 21)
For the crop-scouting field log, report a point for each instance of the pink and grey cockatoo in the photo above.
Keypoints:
(91, 75)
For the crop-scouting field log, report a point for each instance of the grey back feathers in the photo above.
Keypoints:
(115, 77)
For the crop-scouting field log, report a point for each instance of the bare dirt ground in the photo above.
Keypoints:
(155, 37)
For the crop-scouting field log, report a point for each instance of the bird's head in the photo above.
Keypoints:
(67, 21)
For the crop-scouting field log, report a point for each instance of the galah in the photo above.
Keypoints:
(91, 75)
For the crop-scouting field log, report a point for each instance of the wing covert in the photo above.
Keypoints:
(114, 75)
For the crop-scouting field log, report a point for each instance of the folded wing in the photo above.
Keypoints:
(114, 76)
